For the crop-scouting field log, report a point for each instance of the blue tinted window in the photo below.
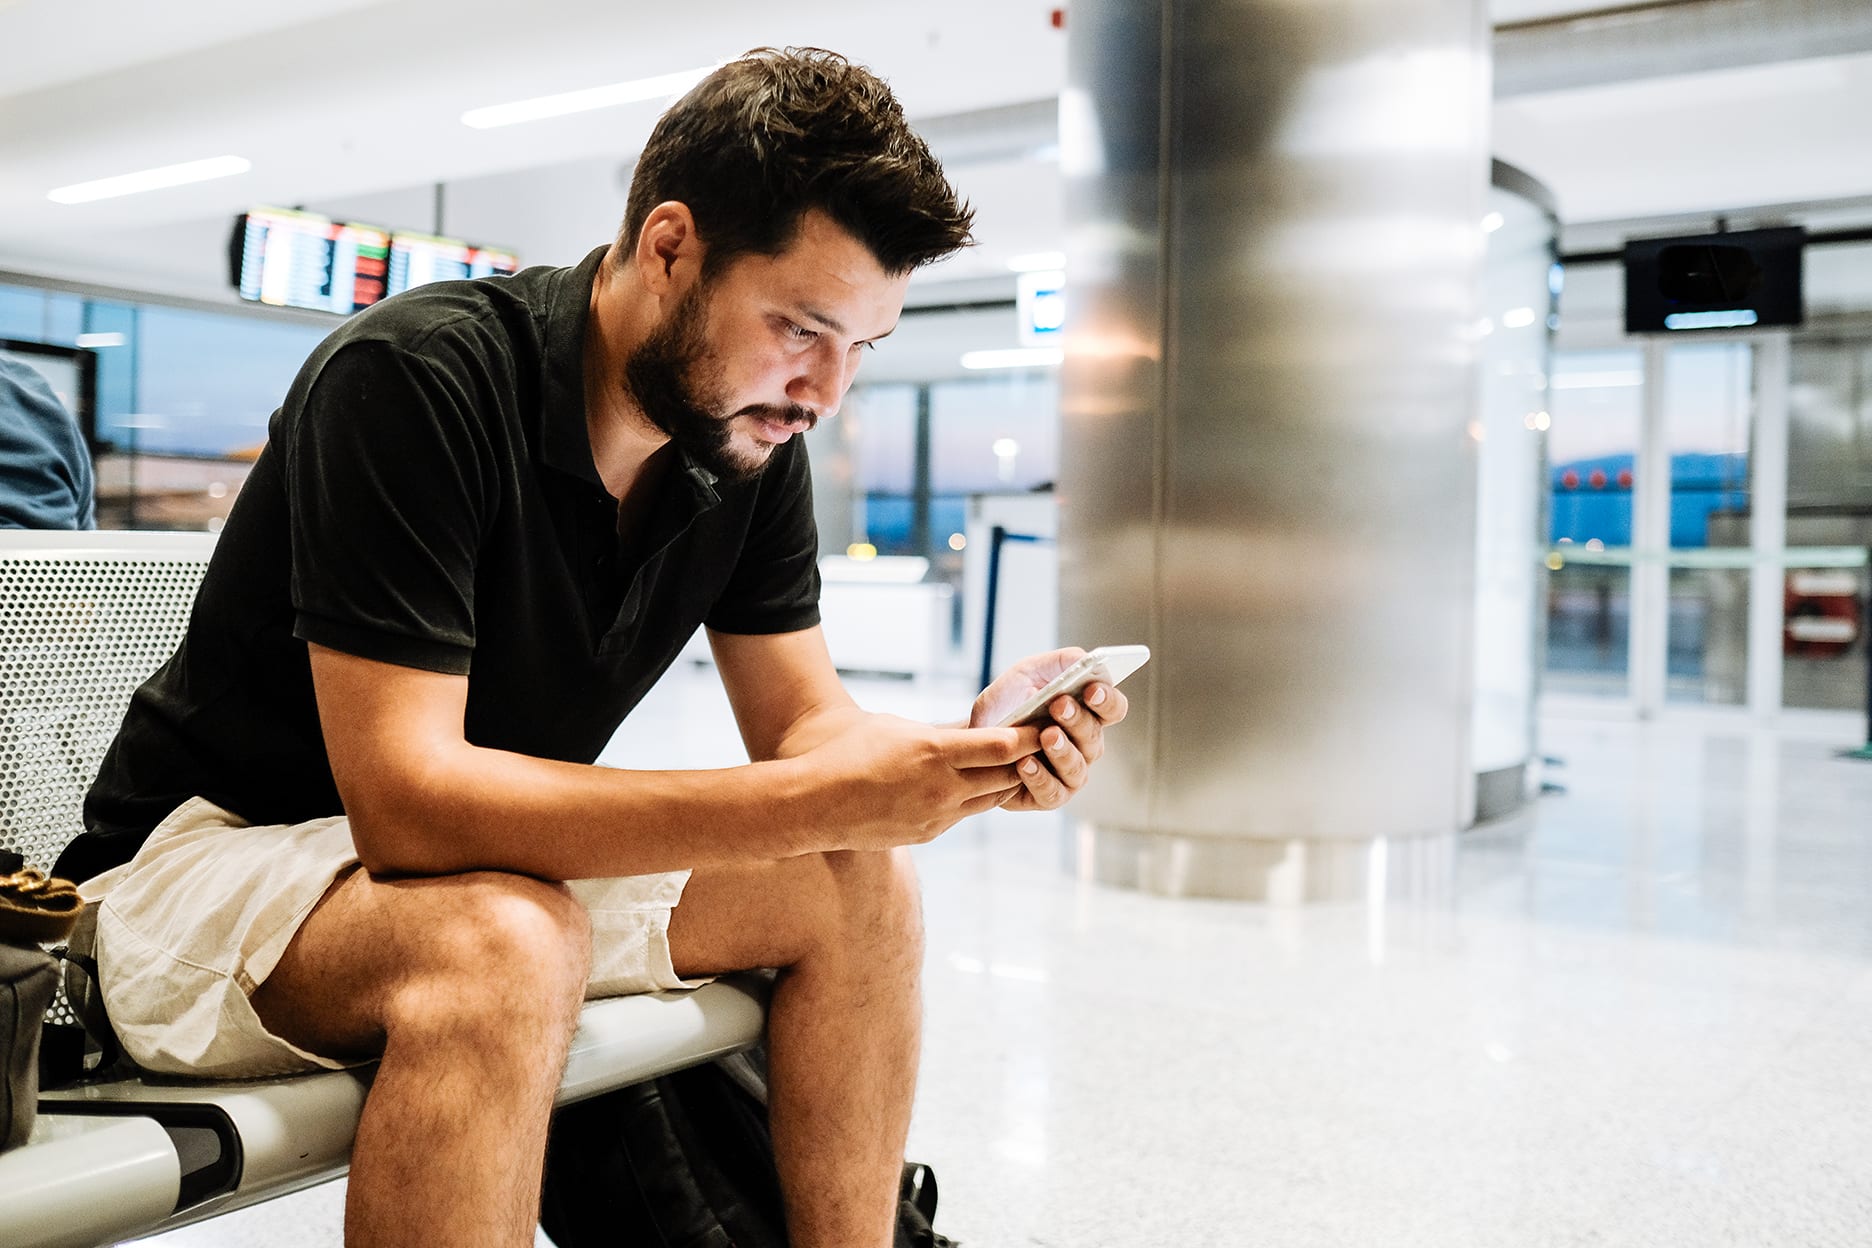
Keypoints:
(22, 314)
(111, 331)
(206, 384)
(64, 319)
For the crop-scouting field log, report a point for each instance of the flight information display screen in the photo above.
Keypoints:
(417, 259)
(303, 260)
(294, 259)
(492, 262)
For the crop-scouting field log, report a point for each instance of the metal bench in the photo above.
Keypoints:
(84, 618)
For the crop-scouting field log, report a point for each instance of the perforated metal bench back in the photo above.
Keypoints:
(84, 619)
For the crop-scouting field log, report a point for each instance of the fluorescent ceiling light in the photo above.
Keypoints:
(1517, 318)
(150, 180)
(544, 106)
(94, 341)
(1022, 357)
(1494, 221)
(1038, 261)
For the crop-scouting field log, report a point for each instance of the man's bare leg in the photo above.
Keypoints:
(469, 986)
(843, 1030)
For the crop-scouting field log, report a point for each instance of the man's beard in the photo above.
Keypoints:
(676, 382)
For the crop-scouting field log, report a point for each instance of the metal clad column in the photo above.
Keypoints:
(1267, 473)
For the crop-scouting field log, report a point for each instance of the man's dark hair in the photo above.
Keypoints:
(765, 138)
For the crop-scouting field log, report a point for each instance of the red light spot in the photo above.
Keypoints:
(1059, 19)
(1624, 478)
(1569, 479)
(1598, 479)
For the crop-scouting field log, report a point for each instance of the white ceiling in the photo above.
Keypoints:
(353, 106)
(1792, 133)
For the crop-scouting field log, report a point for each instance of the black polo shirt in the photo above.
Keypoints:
(427, 497)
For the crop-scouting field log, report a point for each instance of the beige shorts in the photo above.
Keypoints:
(200, 917)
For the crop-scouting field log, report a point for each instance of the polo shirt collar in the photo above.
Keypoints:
(566, 444)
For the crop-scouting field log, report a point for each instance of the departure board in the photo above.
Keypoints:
(295, 259)
(492, 262)
(418, 259)
(304, 260)
(363, 251)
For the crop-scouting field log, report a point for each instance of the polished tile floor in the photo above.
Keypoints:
(1640, 1014)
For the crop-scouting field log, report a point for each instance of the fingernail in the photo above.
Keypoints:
(1070, 710)
(1029, 766)
(1096, 696)
(1058, 742)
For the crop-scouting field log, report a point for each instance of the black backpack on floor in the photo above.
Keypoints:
(686, 1161)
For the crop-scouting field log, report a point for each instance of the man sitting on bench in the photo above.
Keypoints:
(355, 816)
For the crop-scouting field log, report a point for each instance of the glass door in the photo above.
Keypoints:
(1596, 400)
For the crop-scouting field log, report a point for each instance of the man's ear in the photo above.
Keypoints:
(669, 251)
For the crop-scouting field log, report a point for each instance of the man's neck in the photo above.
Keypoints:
(625, 446)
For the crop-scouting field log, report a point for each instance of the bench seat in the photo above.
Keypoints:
(114, 1161)
(84, 618)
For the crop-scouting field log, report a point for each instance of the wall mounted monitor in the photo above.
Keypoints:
(492, 262)
(303, 260)
(1738, 280)
(418, 259)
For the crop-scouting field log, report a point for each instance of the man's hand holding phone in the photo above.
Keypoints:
(1077, 699)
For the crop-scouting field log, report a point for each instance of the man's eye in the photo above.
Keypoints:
(800, 332)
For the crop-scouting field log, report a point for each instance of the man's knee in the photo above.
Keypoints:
(880, 906)
(501, 951)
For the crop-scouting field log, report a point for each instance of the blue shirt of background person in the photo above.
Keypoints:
(45, 467)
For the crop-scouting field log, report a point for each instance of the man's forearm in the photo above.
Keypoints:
(480, 809)
(817, 727)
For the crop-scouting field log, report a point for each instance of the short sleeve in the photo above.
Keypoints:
(775, 584)
(386, 476)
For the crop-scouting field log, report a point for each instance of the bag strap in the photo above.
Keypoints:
(918, 1187)
(85, 995)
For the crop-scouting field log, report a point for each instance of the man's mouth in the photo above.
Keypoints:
(771, 429)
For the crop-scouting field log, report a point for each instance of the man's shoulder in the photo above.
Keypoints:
(477, 340)
(444, 321)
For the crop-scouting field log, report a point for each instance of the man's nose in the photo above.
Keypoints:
(822, 381)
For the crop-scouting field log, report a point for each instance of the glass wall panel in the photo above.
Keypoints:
(1520, 282)
(1830, 426)
(1708, 410)
(22, 313)
(1596, 404)
(207, 384)
(64, 319)
(881, 423)
(998, 434)
(1829, 524)
(111, 330)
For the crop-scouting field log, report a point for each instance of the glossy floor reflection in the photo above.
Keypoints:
(1638, 1015)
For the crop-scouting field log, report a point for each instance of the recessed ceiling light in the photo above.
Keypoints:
(150, 180)
(560, 105)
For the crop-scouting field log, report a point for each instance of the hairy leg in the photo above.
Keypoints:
(844, 1029)
(469, 988)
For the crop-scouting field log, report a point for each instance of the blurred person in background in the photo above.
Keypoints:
(45, 467)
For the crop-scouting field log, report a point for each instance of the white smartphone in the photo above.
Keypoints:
(1109, 664)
